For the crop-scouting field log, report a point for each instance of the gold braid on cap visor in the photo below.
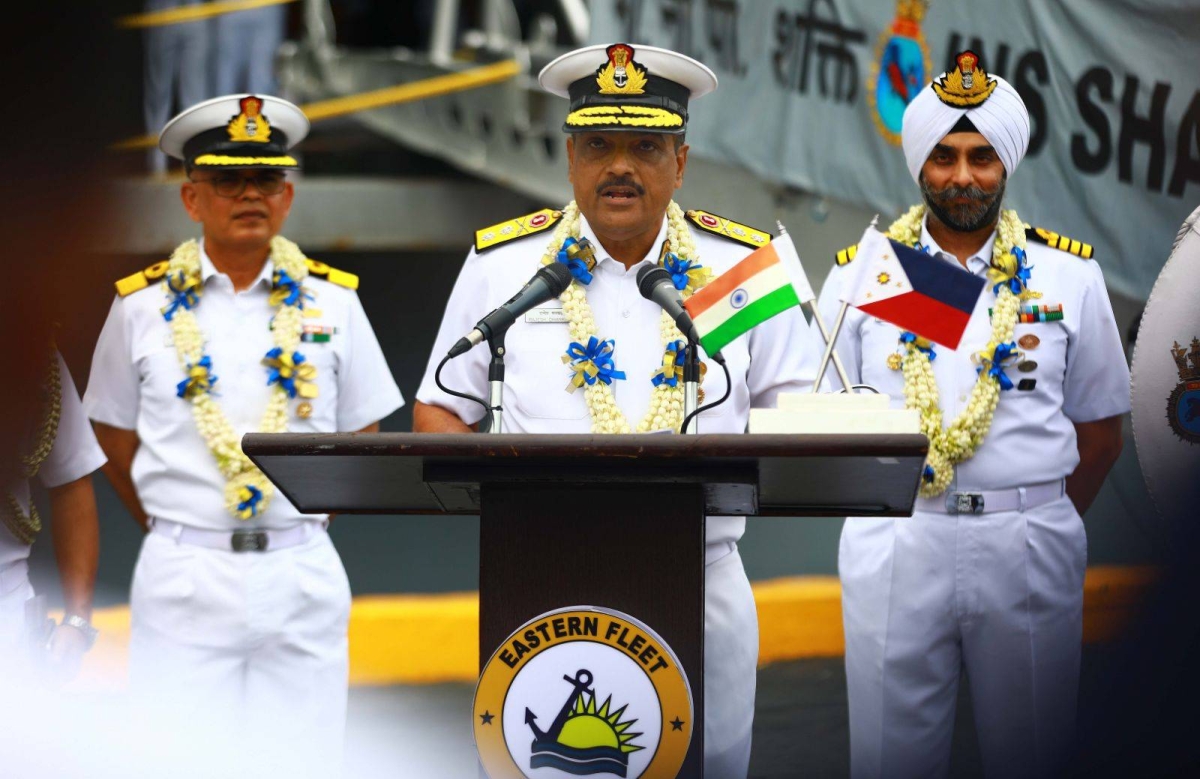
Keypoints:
(624, 115)
(221, 159)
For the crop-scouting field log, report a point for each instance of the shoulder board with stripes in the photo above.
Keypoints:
(142, 279)
(332, 275)
(846, 255)
(491, 237)
(727, 228)
(1060, 242)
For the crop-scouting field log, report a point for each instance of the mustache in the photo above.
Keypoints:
(982, 209)
(621, 181)
(978, 195)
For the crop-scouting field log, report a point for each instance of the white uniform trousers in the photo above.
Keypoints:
(999, 595)
(246, 652)
(15, 591)
(730, 665)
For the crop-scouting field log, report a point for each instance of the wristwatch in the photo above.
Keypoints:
(83, 626)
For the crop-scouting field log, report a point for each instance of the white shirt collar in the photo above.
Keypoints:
(208, 270)
(603, 258)
(977, 263)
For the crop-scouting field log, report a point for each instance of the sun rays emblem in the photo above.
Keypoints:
(584, 739)
(883, 278)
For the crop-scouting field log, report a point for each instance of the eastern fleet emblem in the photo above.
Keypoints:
(583, 691)
(1183, 405)
(902, 65)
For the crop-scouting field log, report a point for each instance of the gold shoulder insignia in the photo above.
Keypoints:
(491, 237)
(332, 275)
(727, 228)
(846, 255)
(141, 279)
(1060, 242)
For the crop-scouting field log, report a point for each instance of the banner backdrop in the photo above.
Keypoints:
(812, 92)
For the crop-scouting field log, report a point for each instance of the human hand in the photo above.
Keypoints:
(64, 654)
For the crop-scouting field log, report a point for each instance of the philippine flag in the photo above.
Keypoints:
(926, 295)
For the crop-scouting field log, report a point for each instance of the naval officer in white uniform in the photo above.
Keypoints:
(624, 174)
(60, 451)
(240, 602)
(987, 575)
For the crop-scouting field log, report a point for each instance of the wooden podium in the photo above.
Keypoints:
(608, 521)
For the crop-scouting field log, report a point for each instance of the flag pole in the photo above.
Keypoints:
(805, 291)
(837, 361)
(837, 328)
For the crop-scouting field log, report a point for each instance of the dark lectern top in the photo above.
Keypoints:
(765, 475)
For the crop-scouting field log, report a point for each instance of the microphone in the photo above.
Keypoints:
(549, 282)
(655, 284)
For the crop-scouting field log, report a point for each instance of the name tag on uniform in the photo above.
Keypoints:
(543, 316)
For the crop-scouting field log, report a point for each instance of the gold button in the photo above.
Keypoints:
(304, 410)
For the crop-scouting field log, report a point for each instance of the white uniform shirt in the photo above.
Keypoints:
(74, 455)
(135, 373)
(1081, 374)
(778, 356)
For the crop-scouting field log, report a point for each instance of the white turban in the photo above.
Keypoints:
(1002, 119)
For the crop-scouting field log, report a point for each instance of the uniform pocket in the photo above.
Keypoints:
(536, 377)
(322, 413)
(163, 575)
(1043, 362)
(321, 578)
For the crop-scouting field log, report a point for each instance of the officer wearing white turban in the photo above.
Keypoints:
(987, 574)
(933, 113)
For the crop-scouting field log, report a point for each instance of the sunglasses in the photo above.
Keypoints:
(233, 186)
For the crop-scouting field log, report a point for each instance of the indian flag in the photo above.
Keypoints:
(766, 283)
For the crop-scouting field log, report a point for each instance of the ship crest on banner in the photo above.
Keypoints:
(902, 67)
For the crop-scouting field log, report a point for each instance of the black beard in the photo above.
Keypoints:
(981, 212)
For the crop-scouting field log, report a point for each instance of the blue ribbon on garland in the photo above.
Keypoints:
(1019, 281)
(672, 365)
(287, 290)
(592, 363)
(922, 344)
(995, 363)
(684, 273)
(576, 264)
(292, 372)
(199, 381)
(250, 497)
(928, 475)
(185, 294)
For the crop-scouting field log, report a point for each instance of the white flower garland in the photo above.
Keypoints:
(214, 427)
(666, 402)
(954, 444)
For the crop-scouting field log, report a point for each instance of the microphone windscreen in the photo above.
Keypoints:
(649, 277)
(558, 276)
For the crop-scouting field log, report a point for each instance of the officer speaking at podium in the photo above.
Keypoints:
(601, 358)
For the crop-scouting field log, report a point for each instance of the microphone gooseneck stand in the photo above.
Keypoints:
(496, 383)
(691, 383)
